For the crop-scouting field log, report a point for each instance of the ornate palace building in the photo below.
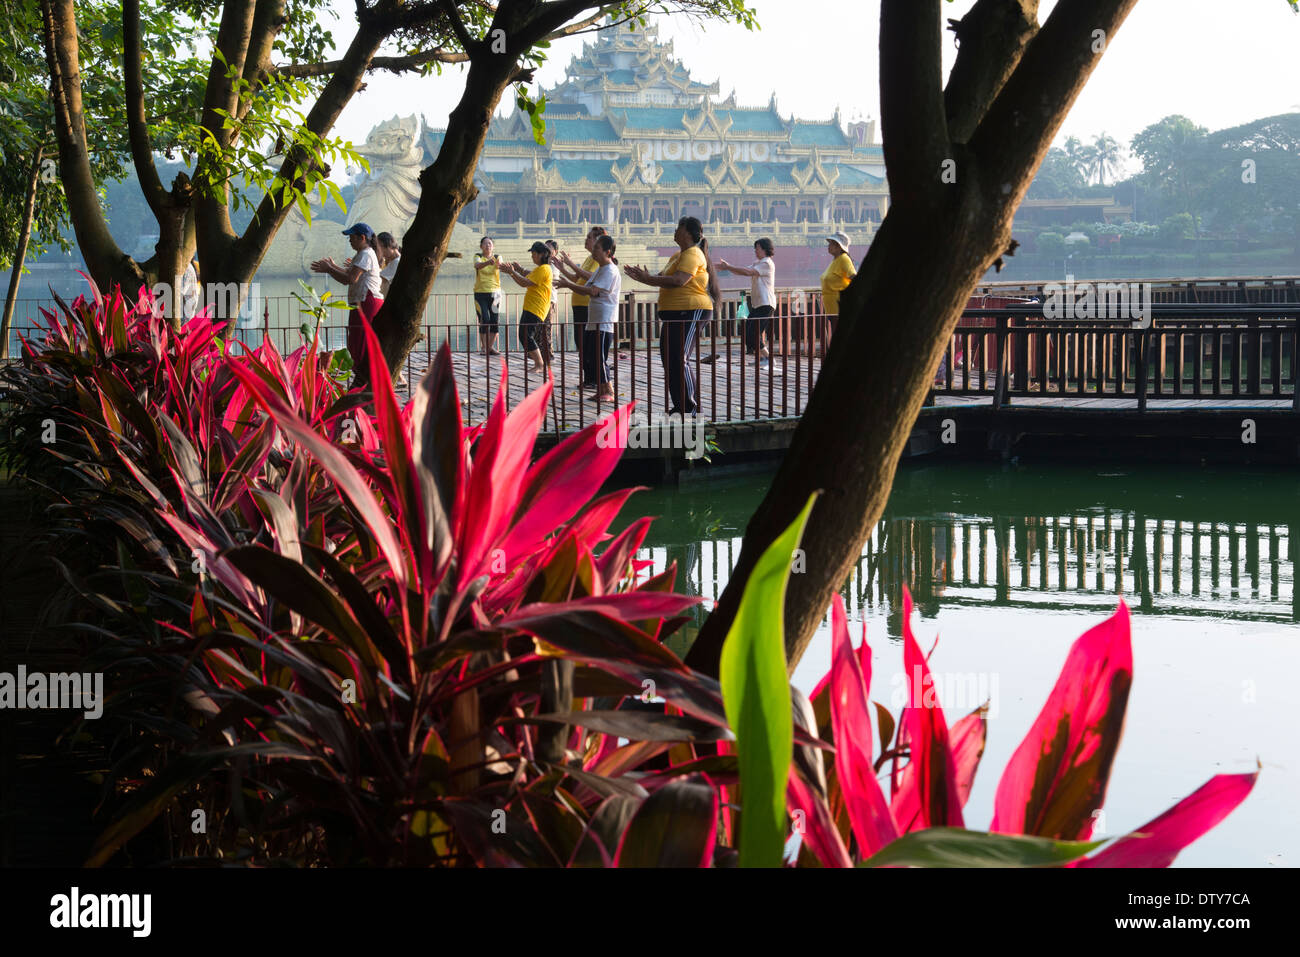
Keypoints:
(631, 138)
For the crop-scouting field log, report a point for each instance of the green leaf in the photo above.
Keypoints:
(955, 847)
(756, 695)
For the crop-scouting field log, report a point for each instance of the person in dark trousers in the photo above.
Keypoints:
(603, 285)
(534, 330)
(578, 276)
(684, 303)
(762, 295)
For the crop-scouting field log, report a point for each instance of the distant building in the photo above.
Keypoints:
(631, 138)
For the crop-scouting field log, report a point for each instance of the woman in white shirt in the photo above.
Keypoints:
(762, 295)
(389, 254)
(604, 288)
(361, 273)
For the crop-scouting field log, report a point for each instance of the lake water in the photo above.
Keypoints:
(1009, 565)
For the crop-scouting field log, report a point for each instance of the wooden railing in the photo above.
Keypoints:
(1188, 352)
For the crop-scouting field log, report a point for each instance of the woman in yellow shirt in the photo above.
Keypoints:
(835, 280)
(487, 295)
(534, 332)
(684, 303)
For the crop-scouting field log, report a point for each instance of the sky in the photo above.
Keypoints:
(1220, 62)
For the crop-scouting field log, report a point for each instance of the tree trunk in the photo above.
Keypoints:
(941, 234)
(445, 187)
(915, 281)
(20, 254)
(105, 260)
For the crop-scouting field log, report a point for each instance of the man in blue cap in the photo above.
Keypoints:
(361, 274)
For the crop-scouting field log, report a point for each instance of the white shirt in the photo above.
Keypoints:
(762, 288)
(389, 271)
(368, 281)
(603, 310)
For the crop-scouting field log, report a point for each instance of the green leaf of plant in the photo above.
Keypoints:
(956, 847)
(756, 696)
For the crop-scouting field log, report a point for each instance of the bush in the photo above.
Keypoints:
(1050, 244)
(1177, 228)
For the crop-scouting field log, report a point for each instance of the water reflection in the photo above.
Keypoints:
(1172, 541)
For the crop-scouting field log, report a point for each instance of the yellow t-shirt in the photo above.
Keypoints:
(835, 280)
(693, 295)
(588, 265)
(487, 279)
(537, 299)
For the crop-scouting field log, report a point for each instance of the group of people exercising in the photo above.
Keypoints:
(688, 296)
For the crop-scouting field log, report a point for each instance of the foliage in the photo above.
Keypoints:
(1050, 243)
(360, 633)
(1050, 791)
(1177, 228)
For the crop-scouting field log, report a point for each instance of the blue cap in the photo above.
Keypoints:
(359, 229)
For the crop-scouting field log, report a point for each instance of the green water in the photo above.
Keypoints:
(1008, 565)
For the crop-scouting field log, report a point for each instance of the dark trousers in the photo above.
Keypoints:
(596, 353)
(487, 316)
(758, 323)
(676, 340)
(580, 341)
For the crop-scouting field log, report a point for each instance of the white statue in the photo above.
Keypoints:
(386, 200)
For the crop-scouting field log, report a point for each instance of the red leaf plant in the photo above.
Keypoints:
(1052, 787)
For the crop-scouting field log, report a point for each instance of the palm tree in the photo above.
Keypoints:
(1106, 156)
(1079, 156)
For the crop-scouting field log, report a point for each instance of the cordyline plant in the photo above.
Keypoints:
(1049, 794)
(383, 638)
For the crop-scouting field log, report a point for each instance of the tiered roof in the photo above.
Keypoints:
(598, 142)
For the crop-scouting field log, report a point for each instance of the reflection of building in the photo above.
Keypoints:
(632, 138)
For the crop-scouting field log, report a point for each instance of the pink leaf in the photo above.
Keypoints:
(1157, 843)
(500, 460)
(967, 739)
(820, 833)
(1057, 778)
(873, 825)
(564, 479)
(935, 771)
(349, 481)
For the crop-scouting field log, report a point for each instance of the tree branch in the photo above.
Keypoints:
(547, 18)
(137, 128)
(913, 124)
(991, 37)
(1027, 114)
(222, 93)
(394, 64)
(268, 19)
(467, 43)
